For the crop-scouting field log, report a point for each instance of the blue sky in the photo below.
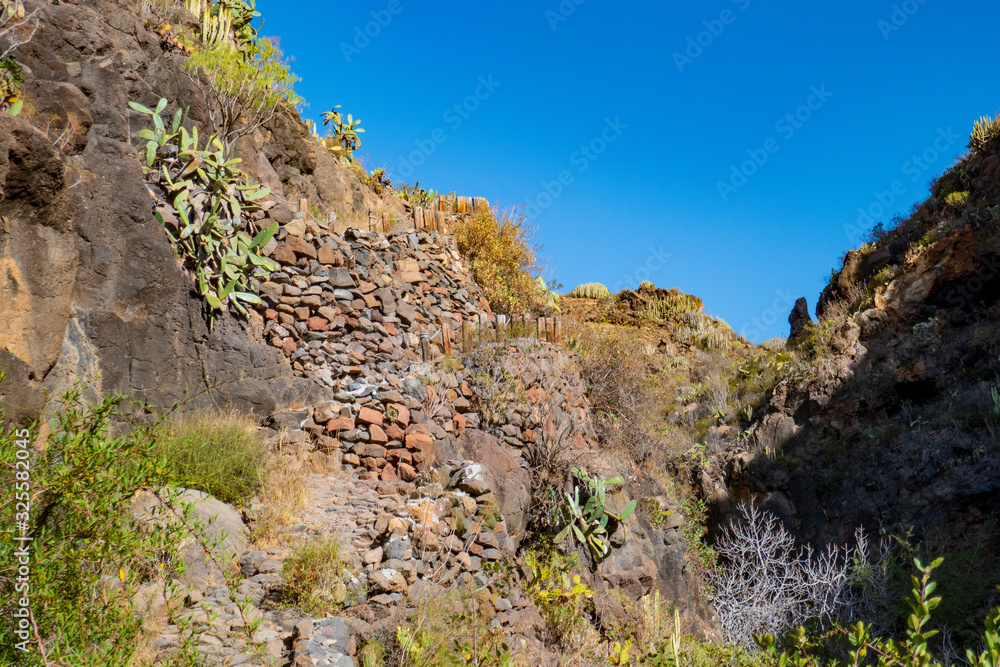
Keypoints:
(722, 148)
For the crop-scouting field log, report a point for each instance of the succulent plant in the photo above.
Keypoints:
(586, 519)
(986, 131)
(345, 132)
(590, 291)
(210, 197)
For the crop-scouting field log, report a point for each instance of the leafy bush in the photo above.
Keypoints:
(210, 198)
(314, 577)
(16, 29)
(501, 258)
(861, 647)
(86, 557)
(220, 454)
(590, 291)
(957, 200)
(244, 89)
(561, 597)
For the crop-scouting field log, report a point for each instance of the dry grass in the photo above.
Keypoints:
(283, 497)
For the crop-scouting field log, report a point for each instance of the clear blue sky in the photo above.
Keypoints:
(886, 82)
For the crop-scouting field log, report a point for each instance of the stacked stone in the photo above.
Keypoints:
(386, 434)
(545, 392)
(352, 306)
(443, 534)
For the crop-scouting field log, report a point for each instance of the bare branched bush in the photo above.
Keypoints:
(615, 371)
(769, 585)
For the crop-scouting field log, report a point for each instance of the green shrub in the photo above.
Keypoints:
(86, 557)
(244, 89)
(220, 454)
(501, 258)
(957, 200)
(210, 196)
(314, 577)
(590, 291)
(861, 647)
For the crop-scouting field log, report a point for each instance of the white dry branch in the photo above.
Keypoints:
(769, 585)
(16, 27)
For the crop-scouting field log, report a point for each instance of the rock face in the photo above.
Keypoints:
(221, 527)
(799, 318)
(893, 427)
(89, 282)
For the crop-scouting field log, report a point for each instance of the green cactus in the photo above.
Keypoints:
(590, 291)
(586, 519)
(986, 131)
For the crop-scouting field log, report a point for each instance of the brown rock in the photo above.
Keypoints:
(329, 255)
(288, 346)
(340, 424)
(406, 472)
(394, 432)
(419, 441)
(369, 416)
(377, 435)
(370, 463)
(317, 324)
(299, 246)
(388, 474)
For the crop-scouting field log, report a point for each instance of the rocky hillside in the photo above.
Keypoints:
(426, 466)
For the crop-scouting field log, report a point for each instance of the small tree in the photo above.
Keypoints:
(244, 89)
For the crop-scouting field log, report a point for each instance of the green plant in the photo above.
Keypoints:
(694, 529)
(416, 195)
(67, 518)
(210, 197)
(314, 575)
(957, 200)
(590, 291)
(587, 520)
(244, 89)
(546, 296)
(984, 133)
(560, 596)
(11, 79)
(863, 648)
(220, 454)
(345, 137)
(498, 252)
(379, 181)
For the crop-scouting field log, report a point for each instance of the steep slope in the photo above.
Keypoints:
(892, 425)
